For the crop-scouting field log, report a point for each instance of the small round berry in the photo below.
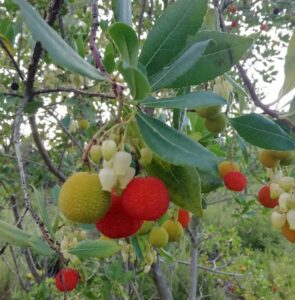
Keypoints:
(183, 217)
(288, 233)
(263, 27)
(209, 112)
(83, 124)
(117, 223)
(14, 86)
(267, 159)
(216, 124)
(174, 229)
(226, 167)
(158, 237)
(291, 219)
(108, 179)
(265, 199)
(121, 162)
(233, 8)
(146, 198)
(235, 181)
(108, 149)
(66, 279)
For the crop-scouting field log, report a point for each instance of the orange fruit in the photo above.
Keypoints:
(226, 167)
(288, 233)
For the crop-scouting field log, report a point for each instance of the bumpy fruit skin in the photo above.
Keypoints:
(145, 228)
(288, 233)
(217, 124)
(226, 167)
(265, 199)
(174, 229)
(146, 198)
(66, 279)
(117, 223)
(83, 124)
(267, 159)
(209, 112)
(235, 181)
(183, 217)
(158, 237)
(82, 200)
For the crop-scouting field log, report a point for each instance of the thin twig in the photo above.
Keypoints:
(18, 70)
(140, 18)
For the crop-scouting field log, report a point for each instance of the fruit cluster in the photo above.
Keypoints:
(278, 193)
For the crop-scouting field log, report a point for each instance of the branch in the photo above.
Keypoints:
(96, 55)
(75, 91)
(158, 278)
(18, 70)
(194, 256)
(248, 83)
(51, 167)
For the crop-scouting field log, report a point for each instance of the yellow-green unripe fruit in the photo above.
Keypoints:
(281, 154)
(217, 124)
(158, 237)
(174, 229)
(145, 228)
(82, 200)
(83, 124)
(95, 153)
(209, 112)
(267, 159)
(146, 156)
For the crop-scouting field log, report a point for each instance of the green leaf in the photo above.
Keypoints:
(209, 182)
(122, 11)
(218, 58)
(6, 43)
(190, 100)
(13, 235)
(137, 82)
(179, 67)
(262, 132)
(40, 246)
(80, 45)
(174, 147)
(109, 58)
(32, 107)
(183, 183)
(243, 147)
(97, 249)
(168, 37)
(289, 83)
(126, 42)
(40, 200)
(57, 48)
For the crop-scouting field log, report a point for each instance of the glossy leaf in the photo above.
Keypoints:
(289, 83)
(262, 132)
(190, 100)
(219, 57)
(179, 67)
(97, 249)
(137, 82)
(183, 183)
(168, 37)
(40, 200)
(122, 11)
(109, 58)
(13, 235)
(126, 42)
(174, 147)
(37, 244)
(57, 48)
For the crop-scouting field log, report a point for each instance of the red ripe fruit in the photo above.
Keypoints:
(264, 197)
(233, 8)
(235, 181)
(183, 217)
(66, 279)
(146, 198)
(263, 27)
(117, 223)
(234, 23)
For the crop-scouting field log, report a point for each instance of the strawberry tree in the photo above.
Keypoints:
(145, 128)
